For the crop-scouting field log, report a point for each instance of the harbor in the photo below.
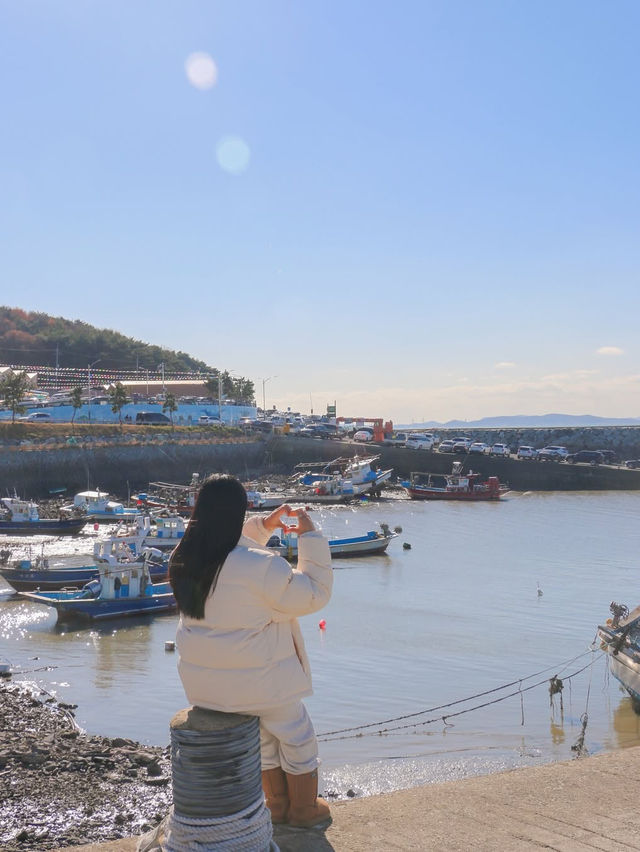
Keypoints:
(490, 596)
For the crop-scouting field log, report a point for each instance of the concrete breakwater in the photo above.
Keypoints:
(35, 470)
(520, 475)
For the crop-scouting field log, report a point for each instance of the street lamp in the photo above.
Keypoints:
(264, 402)
(89, 366)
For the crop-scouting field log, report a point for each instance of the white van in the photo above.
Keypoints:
(420, 441)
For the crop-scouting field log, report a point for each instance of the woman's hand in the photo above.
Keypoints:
(305, 524)
(274, 521)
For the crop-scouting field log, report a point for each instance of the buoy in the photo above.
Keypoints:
(397, 530)
(169, 645)
(540, 592)
(406, 546)
(96, 527)
(322, 624)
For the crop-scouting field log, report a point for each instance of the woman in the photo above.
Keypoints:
(241, 649)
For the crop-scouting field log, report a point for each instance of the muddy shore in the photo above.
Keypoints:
(61, 787)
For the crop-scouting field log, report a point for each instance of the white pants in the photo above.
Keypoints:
(287, 739)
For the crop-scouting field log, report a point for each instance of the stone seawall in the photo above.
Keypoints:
(35, 472)
(519, 475)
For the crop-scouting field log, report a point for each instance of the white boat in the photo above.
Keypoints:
(97, 506)
(620, 638)
(162, 531)
(342, 478)
(22, 517)
(369, 544)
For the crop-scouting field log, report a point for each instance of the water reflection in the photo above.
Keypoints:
(626, 724)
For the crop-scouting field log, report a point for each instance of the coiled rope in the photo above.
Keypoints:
(248, 830)
(358, 731)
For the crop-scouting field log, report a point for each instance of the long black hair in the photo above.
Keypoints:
(214, 530)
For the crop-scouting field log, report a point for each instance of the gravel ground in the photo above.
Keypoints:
(60, 787)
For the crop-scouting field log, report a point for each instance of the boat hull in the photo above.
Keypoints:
(56, 579)
(44, 526)
(70, 607)
(344, 548)
(470, 496)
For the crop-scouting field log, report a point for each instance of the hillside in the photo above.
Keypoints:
(38, 339)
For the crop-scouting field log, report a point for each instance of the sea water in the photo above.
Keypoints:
(487, 594)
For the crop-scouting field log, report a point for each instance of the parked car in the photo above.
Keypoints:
(632, 463)
(610, 456)
(420, 441)
(525, 452)
(461, 445)
(500, 450)
(36, 416)
(479, 448)
(396, 439)
(585, 457)
(363, 435)
(552, 453)
(445, 446)
(209, 420)
(152, 418)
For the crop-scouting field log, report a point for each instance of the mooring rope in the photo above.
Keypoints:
(248, 830)
(360, 730)
(558, 668)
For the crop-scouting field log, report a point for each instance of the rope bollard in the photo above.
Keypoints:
(218, 803)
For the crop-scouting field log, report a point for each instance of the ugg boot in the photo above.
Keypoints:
(306, 809)
(274, 784)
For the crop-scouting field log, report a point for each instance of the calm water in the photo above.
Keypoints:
(456, 615)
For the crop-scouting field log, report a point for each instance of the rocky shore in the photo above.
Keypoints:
(60, 787)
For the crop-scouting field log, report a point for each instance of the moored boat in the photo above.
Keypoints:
(454, 486)
(620, 638)
(120, 590)
(97, 506)
(339, 480)
(369, 544)
(22, 517)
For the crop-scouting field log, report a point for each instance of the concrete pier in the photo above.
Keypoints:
(577, 806)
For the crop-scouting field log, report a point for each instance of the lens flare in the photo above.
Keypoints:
(201, 70)
(233, 155)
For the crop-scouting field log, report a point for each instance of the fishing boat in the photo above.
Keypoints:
(454, 486)
(97, 506)
(54, 573)
(119, 590)
(620, 638)
(169, 496)
(22, 517)
(162, 531)
(369, 544)
(339, 480)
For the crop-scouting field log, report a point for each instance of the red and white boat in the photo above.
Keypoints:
(454, 486)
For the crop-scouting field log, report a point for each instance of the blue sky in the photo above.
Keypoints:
(438, 217)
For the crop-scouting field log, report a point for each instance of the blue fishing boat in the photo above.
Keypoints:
(120, 590)
(369, 544)
(52, 574)
(21, 517)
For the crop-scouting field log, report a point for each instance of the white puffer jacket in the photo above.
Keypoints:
(247, 654)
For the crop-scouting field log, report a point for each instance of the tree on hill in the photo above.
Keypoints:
(13, 389)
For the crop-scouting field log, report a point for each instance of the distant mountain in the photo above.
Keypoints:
(529, 421)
